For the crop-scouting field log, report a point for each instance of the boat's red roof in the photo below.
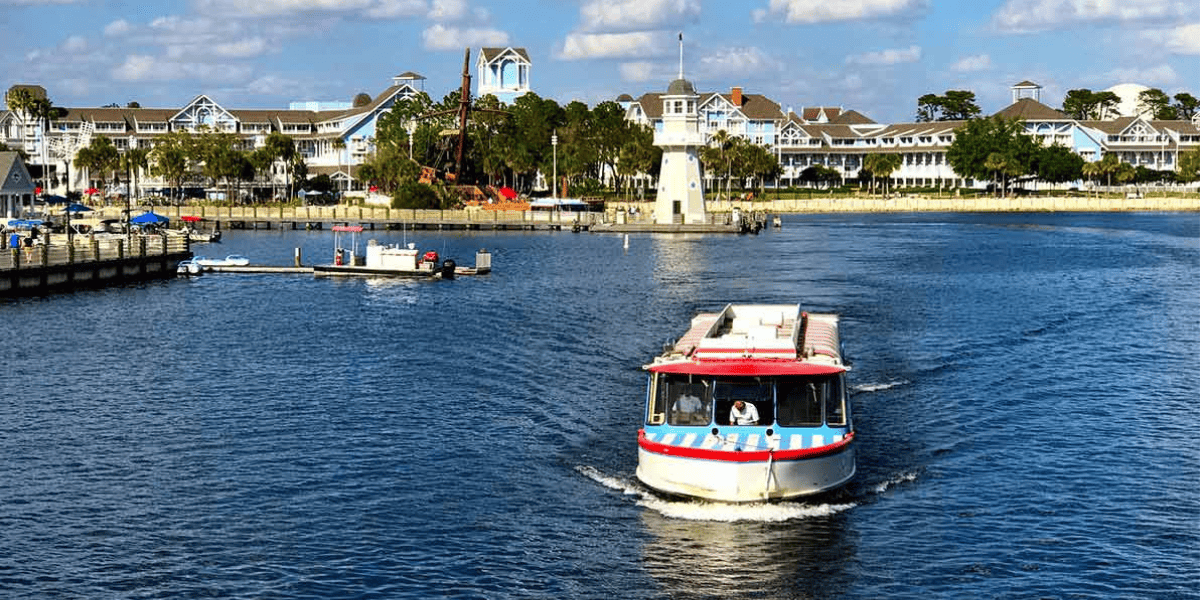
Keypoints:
(746, 368)
(354, 228)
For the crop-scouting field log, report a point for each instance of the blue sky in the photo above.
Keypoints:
(874, 56)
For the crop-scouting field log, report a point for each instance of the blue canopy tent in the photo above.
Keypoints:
(77, 208)
(52, 199)
(149, 218)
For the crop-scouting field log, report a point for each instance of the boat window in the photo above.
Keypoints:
(835, 401)
(681, 400)
(753, 390)
(811, 401)
(799, 402)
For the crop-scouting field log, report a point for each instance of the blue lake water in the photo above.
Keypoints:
(1025, 393)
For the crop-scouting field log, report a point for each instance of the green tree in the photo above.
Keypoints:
(169, 160)
(282, 150)
(1084, 104)
(1091, 171)
(414, 194)
(1186, 105)
(361, 99)
(1058, 164)
(1188, 169)
(133, 162)
(1157, 104)
(101, 159)
(975, 143)
(954, 105)
(639, 155)
(881, 166)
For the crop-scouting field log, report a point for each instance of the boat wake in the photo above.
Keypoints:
(882, 487)
(867, 388)
(699, 510)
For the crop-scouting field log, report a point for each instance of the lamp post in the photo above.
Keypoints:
(554, 144)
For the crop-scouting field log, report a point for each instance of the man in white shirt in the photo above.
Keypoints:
(743, 414)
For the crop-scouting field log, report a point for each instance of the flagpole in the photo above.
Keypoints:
(681, 55)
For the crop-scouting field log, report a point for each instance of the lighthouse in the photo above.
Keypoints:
(680, 190)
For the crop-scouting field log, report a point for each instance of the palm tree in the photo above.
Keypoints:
(996, 163)
(339, 145)
(1092, 170)
(283, 149)
(133, 162)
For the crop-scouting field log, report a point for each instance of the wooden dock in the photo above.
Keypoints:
(88, 263)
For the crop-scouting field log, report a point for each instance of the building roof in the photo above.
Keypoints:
(490, 54)
(1028, 109)
(409, 75)
(1027, 84)
(852, 117)
(754, 106)
(16, 176)
(681, 87)
(624, 98)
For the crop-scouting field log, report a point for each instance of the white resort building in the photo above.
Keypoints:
(334, 138)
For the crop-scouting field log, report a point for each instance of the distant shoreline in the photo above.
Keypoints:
(913, 204)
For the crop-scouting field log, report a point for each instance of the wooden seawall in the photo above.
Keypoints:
(88, 263)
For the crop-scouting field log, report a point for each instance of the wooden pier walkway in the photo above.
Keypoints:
(88, 262)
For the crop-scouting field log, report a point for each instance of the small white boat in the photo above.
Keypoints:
(749, 405)
(233, 260)
(188, 267)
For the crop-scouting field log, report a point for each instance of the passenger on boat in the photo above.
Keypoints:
(743, 413)
(689, 410)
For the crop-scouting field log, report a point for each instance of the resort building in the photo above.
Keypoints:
(16, 188)
(503, 73)
(335, 138)
(840, 139)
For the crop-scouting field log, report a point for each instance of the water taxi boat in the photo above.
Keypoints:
(749, 405)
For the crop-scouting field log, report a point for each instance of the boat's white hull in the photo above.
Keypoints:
(755, 481)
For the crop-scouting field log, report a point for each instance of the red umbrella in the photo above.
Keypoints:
(508, 192)
(189, 218)
(91, 191)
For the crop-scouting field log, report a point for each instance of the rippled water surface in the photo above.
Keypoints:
(1025, 395)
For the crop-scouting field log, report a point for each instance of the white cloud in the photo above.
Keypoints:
(641, 71)
(1159, 75)
(579, 46)
(737, 63)
(438, 10)
(820, 11)
(1184, 39)
(241, 49)
(274, 85)
(440, 37)
(393, 9)
(886, 57)
(971, 64)
(635, 15)
(447, 10)
(1024, 16)
(143, 67)
(75, 44)
(118, 27)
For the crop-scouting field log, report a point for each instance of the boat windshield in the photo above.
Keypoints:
(801, 401)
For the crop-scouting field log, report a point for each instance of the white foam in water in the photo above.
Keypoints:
(879, 387)
(897, 480)
(698, 510)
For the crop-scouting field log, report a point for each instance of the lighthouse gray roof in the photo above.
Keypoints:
(681, 87)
